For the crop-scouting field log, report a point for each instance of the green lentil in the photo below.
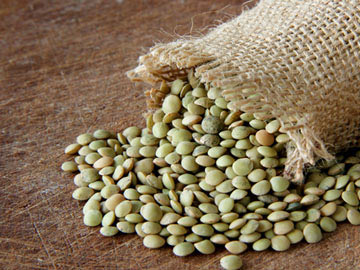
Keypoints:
(69, 166)
(295, 236)
(204, 161)
(108, 219)
(106, 152)
(173, 240)
(250, 227)
(95, 145)
(171, 104)
(92, 218)
(226, 205)
(312, 233)
(151, 212)
(277, 206)
(261, 188)
(283, 227)
(91, 204)
(80, 160)
(82, 193)
(278, 216)
(269, 162)
(72, 148)
(210, 218)
(313, 215)
(264, 225)
(123, 208)
(85, 150)
(241, 132)
(225, 161)
(350, 198)
(301, 225)
(231, 262)
(125, 227)
(169, 218)
(241, 182)
(340, 214)
(221, 226)
(97, 185)
(228, 143)
(187, 221)
(353, 216)
(261, 244)
(212, 124)
(187, 179)
(327, 224)
(328, 209)
(252, 206)
(172, 158)
(238, 194)
(269, 234)
(89, 175)
(205, 230)
(242, 166)
(84, 139)
(153, 241)
(257, 175)
(200, 150)
(176, 206)
(107, 170)
(193, 238)
(215, 177)
(332, 195)
(108, 231)
(310, 199)
(180, 135)
(272, 127)
(205, 247)
(243, 144)
(134, 218)
(280, 243)
(189, 164)
(297, 216)
(219, 239)
(131, 194)
(267, 151)
(235, 247)
(225, 187)
(185, 148)
(96, 197)
(183, 249)
(176, 229)
(279, 184)
(229, 217)
(102, 134)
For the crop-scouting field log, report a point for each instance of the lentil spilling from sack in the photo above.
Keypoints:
(200, 175)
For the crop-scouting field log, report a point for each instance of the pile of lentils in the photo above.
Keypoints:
(200, 175)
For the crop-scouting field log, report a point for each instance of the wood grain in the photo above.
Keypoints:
(62, 66)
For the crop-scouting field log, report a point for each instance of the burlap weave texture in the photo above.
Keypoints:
(301, 56)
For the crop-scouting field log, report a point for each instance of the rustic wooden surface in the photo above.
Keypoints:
(62, 67)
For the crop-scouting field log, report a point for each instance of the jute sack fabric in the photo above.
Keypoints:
(296, 60)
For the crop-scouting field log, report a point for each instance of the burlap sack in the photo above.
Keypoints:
(301, 56)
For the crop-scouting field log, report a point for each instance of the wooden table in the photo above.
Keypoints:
(62, 66)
